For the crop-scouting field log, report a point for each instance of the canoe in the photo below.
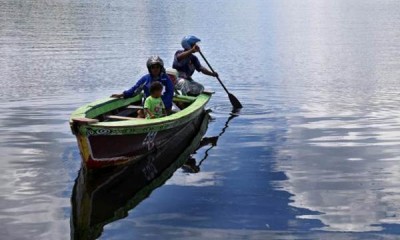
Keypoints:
(105, 195)
(109, 133)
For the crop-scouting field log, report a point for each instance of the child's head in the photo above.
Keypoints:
(156, 89)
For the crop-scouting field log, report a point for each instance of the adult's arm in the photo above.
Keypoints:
(169, 92)
(131, 91)
(187, 53)
(202, 69)
(208, 72)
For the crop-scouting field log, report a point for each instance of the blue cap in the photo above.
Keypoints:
(189, 41)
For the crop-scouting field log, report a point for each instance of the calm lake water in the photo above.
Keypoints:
(314, 154)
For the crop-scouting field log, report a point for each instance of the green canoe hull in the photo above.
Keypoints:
(105, 143)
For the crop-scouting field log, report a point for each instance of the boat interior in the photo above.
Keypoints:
(132, 111)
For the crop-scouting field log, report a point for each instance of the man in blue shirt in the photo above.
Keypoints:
(185, 63)
(155, 65)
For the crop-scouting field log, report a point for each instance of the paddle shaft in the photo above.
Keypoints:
(234, 101)
(212, 70)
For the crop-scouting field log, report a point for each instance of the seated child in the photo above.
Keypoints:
(154, 106)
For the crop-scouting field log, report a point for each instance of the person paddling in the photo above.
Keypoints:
(185, 63)
(155, 66)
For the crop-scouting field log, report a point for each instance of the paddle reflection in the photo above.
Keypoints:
(191, 165)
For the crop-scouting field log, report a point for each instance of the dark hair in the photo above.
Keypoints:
(155, 86)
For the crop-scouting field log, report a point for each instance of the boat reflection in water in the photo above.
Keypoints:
(102, 196)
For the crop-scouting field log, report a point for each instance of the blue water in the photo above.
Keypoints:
(314, 154)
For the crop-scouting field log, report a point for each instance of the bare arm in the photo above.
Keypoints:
(187, 53)
(117, 95)
(147, 111)
(208, 72)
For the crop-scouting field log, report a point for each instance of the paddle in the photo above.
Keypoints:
(234, 101)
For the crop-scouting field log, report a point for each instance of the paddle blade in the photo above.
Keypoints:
(234, 101)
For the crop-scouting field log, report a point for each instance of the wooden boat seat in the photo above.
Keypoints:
(84, 120)
(134, 107)
(120, 117)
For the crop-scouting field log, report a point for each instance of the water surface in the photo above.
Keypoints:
(314, 153)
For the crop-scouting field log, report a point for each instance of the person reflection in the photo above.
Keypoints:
(190, 166)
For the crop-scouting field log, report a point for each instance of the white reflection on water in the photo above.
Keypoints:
(33, 177)
(200, 179)
(343, 141)
(345, 167)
